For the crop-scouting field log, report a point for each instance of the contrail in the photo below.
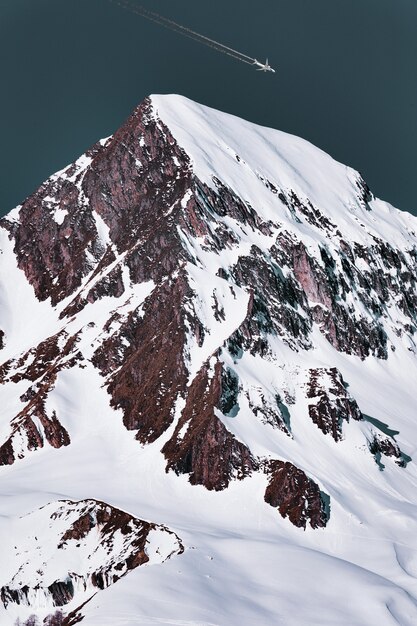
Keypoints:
(183, 30)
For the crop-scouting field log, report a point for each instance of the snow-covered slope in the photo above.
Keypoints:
(210, 326)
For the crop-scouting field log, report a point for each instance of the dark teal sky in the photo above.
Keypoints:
(72, 71)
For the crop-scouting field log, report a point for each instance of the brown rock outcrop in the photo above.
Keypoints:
(332, 402)
(272, 308)
(131, 181)
(32, 426)
(387, 446)
(30, 429)
(147, 354)
(296, 496)
(201, 445)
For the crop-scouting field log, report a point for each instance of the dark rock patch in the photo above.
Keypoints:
(332, 402)
(207, 451)
(147, 355)
(296, 496)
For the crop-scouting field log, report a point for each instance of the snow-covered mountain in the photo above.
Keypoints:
(208, 367)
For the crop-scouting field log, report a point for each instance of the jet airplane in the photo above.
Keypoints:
(263, 67)
(192, 34)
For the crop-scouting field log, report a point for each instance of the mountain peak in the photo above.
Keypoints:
(211, 325)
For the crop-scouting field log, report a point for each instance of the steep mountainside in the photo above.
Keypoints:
(211, 326)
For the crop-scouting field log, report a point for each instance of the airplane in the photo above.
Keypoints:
(263, 67)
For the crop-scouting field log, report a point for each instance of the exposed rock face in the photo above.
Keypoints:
(30, 429)
(387, 446)
(332, 402)
(296, 496)
(43, 361)
(315, 290)
(328, 284)
(201, 445)
(105, 542)
(34, 425)
(146, 355)
(273, 308)
(137, 186)
(124, 186)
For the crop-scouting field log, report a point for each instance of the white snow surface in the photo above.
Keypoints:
(243, 564)
(213, 139)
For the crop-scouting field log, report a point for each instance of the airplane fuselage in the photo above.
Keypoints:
(263, 67)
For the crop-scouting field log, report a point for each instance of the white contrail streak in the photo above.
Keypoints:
(183, 30)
